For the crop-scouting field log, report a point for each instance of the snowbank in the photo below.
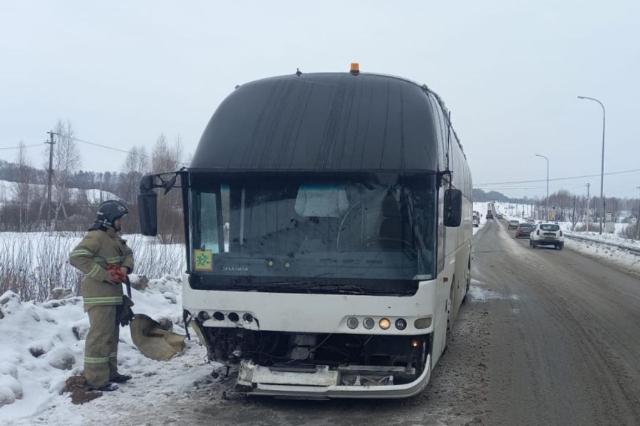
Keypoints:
(41, 345)
(623, 258)
(480, 207)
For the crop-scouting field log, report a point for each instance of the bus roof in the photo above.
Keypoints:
(322, 122)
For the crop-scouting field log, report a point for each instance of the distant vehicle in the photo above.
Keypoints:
(489, 214)
(524, 229)
(475, 220)
(513, 224)
(547, 234)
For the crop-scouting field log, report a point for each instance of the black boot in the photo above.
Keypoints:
(109, 387)
(120, 378)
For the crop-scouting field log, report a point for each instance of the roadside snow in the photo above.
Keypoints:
(479, 292)
(41, 345)
(620, 257)
(480, 207)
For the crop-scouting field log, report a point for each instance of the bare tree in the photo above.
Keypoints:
(23, 194)
(66, 161)
(166, 158)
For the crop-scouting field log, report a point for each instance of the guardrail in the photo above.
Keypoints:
(630, 249)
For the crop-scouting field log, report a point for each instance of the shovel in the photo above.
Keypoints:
(148, 335)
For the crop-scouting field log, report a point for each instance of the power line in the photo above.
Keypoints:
(20, 147)
(556, 179)
(100, 145)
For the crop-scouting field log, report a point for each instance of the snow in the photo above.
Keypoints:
(481, 208)
(9, 193)
(42, 343)
(620, 257)
(30, 385)
(479, 292)
(50, 254)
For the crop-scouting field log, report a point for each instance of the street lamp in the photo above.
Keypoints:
(638, 218)
(547, 208)
(602, 159)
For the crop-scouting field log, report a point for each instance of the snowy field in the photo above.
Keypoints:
(41, 345)
(9, 192)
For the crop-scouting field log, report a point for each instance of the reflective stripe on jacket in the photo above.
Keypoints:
(96, 251)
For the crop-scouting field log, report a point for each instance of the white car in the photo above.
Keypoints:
(548, 234)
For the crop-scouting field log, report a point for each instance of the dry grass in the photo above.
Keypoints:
(33, 264)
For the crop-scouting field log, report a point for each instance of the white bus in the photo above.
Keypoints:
(328, 224)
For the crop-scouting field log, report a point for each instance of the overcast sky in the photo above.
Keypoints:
(123, 72)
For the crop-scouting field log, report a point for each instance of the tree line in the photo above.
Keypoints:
(76, 193)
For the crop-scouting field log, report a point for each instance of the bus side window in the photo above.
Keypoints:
(441, 230)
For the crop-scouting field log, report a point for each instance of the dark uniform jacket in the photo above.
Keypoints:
(98, 249)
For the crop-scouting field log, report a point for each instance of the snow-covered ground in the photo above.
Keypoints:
(480, 207)
(9, 192)
(623, 258)
(41, 345)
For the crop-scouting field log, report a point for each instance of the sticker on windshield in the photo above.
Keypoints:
(203, 260)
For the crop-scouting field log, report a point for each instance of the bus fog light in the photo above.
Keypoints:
(384, 323)
(422, 322)
(352, 322)
(415, 343)
(401, 324)
(368, 323)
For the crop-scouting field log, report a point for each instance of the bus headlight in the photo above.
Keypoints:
(401, 324)
(384, 323)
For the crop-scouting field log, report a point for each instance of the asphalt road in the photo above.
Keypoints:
(548, 338)
(565, 341)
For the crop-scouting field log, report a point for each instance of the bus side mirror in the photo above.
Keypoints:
(148, 212)
(148, 207)
(452, 207)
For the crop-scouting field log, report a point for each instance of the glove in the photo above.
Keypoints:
(125, 314)
(115, 274)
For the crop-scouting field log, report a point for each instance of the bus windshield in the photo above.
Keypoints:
(274, 227)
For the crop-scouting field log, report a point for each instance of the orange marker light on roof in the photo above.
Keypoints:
(355, 68)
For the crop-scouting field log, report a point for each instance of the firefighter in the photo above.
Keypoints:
(106, 260)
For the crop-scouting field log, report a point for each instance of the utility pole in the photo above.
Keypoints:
(588, 185)
(51, 142)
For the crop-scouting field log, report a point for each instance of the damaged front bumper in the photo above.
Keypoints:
(322, 382)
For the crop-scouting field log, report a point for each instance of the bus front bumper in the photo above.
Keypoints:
(322, 383)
